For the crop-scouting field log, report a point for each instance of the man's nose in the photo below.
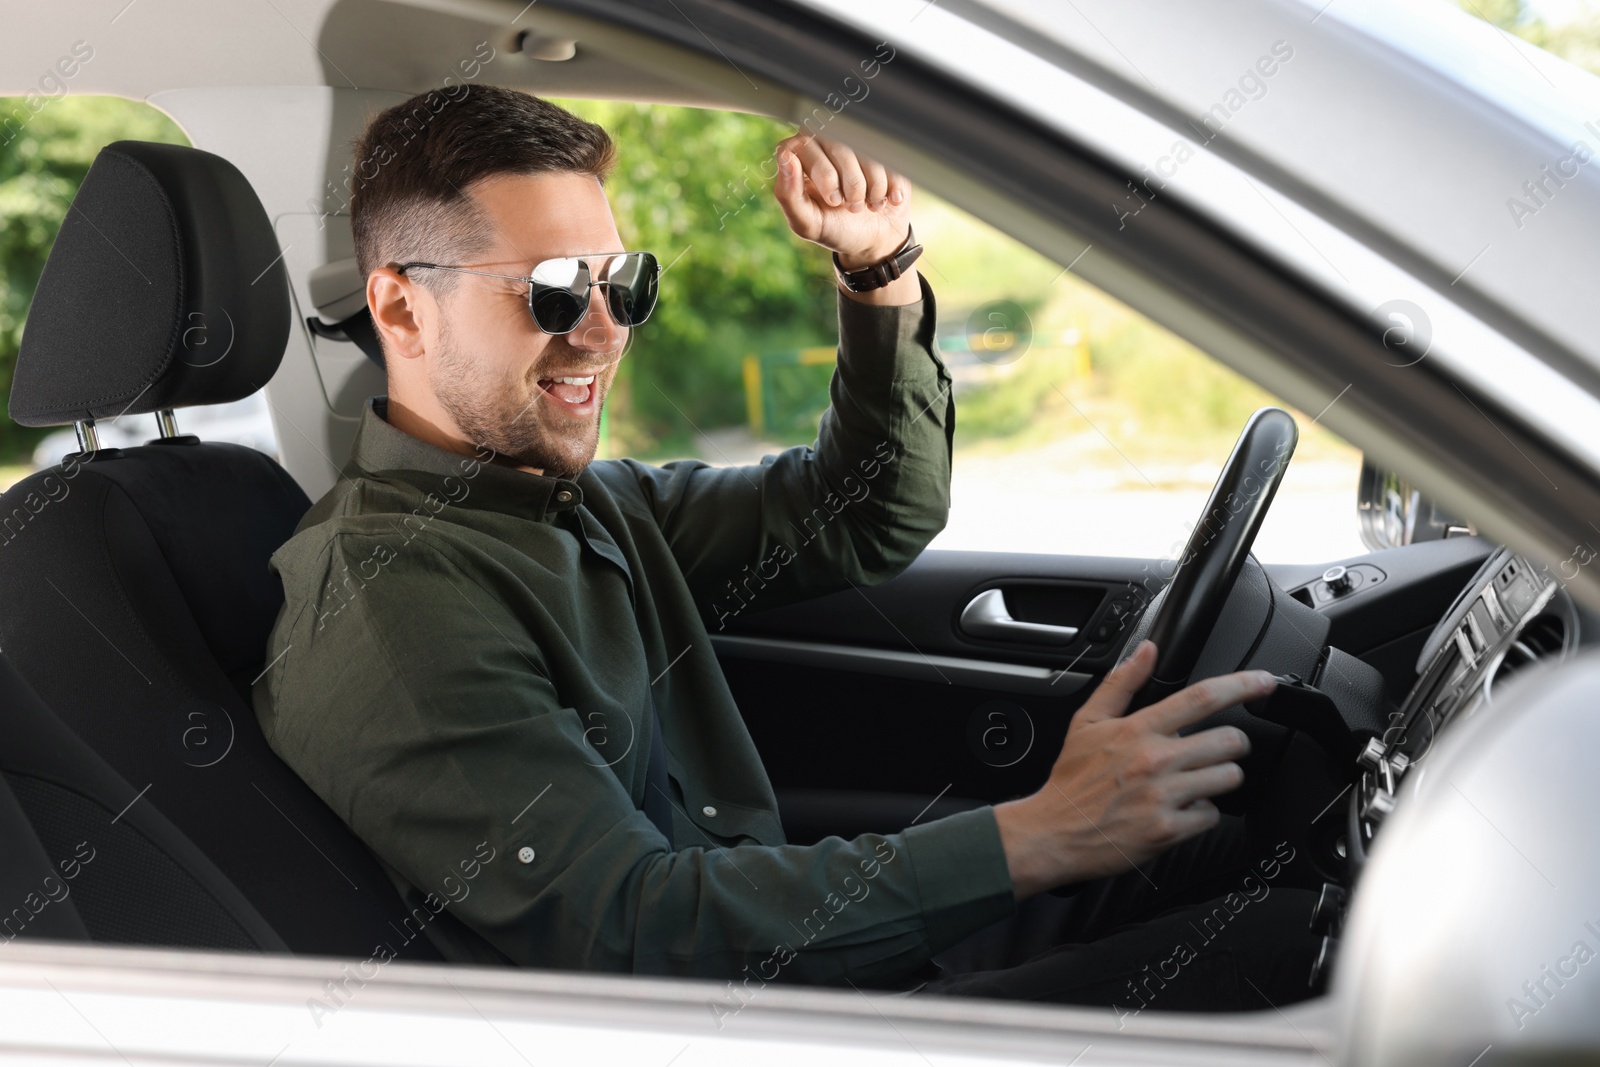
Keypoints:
(597, 331)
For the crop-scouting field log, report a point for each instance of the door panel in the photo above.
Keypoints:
(882, 749)
(919, 611)
(877, 707)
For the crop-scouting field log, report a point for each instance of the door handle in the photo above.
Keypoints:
(986, 616)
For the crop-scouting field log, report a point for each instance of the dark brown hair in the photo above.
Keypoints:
(416, 160)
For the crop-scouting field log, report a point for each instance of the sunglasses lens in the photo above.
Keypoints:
(632, 292)
(556, 310)
(559, 294)
(559, 290)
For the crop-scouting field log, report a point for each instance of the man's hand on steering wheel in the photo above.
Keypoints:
(1126, 787)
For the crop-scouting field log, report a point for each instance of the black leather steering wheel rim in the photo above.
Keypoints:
(1216, 550)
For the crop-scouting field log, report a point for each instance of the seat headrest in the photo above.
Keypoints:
(165, 289)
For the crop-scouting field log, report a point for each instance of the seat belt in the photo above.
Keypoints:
(657, 798)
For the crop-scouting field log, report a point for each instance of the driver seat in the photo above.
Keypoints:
(136, 595)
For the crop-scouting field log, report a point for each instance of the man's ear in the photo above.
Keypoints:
(399, 309)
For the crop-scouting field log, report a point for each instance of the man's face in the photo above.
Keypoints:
(493, 371)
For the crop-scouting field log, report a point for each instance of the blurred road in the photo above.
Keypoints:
(1015, 504)
(1075, 497)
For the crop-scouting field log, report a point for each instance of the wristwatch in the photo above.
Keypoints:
(881, 273)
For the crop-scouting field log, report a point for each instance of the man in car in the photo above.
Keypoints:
(493, 660)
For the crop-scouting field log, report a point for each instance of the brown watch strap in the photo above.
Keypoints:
(881, 273)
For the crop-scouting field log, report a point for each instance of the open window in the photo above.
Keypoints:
(1083, 427)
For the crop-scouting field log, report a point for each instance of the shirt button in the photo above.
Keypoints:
(710, 812)
(525, 854)
(564, 496)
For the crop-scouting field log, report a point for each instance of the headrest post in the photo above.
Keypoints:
(166, 423)
(88, 440)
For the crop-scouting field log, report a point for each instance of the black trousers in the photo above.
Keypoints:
(1214, 924)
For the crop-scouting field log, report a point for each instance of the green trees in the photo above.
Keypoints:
(44, 154)
(695, 188)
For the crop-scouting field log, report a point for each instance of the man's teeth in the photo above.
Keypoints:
(574, 381)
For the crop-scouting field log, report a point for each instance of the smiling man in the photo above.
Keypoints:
(493, 659)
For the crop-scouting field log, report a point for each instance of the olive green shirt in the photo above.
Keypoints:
(464, 665)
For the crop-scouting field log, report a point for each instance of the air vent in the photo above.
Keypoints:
(1543, 638)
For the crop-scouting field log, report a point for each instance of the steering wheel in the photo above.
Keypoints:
(1216, 551)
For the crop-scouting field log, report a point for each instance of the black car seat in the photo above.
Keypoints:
(134, 591)
(88, 859)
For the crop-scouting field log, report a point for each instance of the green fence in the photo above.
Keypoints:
(785, 391)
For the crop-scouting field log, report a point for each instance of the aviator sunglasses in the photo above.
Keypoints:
(558, 289)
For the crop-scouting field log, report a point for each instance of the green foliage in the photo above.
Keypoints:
(796, 399)
(1577, 41)
(1154, 393)
(695, 188)
(1506, 14)
(1021, 408)
(1176, 390)
(48, 153)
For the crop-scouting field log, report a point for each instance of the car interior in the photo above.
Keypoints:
(125, 683)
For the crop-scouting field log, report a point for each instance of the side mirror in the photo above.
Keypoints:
(1392, 512)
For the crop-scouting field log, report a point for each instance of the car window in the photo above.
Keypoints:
(1082, 426)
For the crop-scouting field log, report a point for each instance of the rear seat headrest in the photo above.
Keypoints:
(165, 289)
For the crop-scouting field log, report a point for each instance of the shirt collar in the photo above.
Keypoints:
(385, 451)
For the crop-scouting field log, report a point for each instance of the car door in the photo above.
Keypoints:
(948, 687)
(952, 685)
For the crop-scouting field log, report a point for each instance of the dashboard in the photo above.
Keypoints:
(1507, 617)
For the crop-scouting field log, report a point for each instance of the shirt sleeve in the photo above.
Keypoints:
(420, 709)
(856, 506)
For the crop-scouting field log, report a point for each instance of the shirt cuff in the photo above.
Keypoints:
(962, 878)
(891, 343)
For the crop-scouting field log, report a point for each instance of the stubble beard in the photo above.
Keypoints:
(505, 415)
